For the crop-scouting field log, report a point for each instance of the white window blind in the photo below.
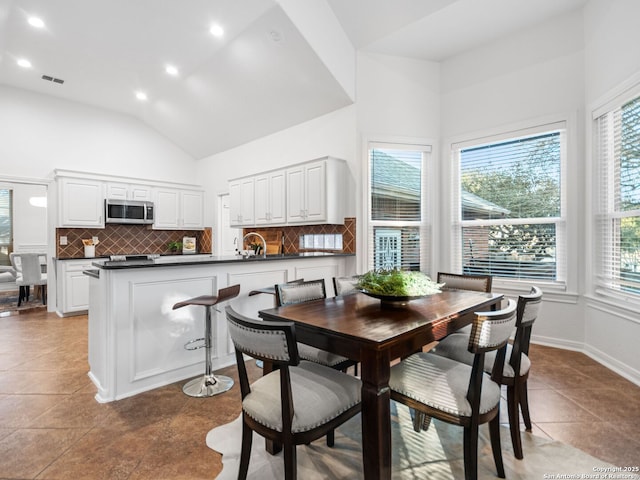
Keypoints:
(509, 199)
(618, 155)
(398, 228)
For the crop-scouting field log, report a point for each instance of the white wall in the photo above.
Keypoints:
(331, 134)
(535, 76)
(612, 58)
(39, 133)
(611, 43)
(398, 100)
(398, 97)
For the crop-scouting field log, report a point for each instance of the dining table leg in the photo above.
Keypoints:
(376, 415)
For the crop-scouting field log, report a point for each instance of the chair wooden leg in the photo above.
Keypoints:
(331, 438)
(494, 432)
(524, 405)
(245, 452)
(290, 461)
(513, 403)
(471, 451)
(20, 295)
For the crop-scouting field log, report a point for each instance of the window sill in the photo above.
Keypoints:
(552, 291)
(620, 305)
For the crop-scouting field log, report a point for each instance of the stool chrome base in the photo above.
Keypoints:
(207, 386)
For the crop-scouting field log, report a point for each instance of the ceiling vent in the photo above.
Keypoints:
(52, 79)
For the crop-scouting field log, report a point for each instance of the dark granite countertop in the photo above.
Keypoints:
(200, 259)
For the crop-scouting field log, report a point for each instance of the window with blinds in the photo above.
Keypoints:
(5, 225)
(509, 201)
(398, 229)
(618, 153)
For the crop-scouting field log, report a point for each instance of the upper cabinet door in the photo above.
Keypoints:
(81, 203)
(140, 192)
(126, 191)
(261, 194)
(277, 197)
(295, 194)
(167, 209)
(307, 193)
(241, 194)
(316, 192)
(178, 209)
(192, 206)
(269, 198)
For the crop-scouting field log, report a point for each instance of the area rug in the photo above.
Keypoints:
(435, 454)
(9, 302)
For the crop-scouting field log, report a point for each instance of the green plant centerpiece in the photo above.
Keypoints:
(397, 287)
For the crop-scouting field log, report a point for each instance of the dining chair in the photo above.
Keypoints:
(458, 281)
(345, 285)
(454, 347)
(28, 269)
(463, 281)
(457, 393)
(306, 291)
(298, 402)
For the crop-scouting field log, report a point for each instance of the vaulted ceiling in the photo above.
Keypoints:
(271, 69)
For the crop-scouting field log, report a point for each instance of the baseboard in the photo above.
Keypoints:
(558, 343)
(599, 356)
(611, 363)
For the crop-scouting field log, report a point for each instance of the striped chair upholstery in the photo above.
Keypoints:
(294, 404)
(456, 393)
(455, 348)
(307, 291)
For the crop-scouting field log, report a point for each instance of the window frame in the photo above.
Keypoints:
(529, 129)
(424, 225)
(601, 280)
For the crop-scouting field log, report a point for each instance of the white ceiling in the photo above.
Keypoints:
(261, 77)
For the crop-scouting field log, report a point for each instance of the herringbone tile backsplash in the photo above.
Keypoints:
(141, 239)
(128, 240)
(291, 235)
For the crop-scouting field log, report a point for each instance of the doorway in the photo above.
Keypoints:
(228, 237)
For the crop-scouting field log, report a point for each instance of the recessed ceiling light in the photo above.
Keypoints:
(36, 22)
(216, 30)
(24, 63)
(141, 96)
(171, 70)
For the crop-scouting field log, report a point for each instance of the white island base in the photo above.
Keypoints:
(136, 339)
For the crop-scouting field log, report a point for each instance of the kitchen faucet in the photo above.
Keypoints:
(264, 243)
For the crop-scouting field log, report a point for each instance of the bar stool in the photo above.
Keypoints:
(209, 384)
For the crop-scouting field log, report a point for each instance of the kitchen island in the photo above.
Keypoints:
(136, 339)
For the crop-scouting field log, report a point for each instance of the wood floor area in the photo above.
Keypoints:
(52, 428)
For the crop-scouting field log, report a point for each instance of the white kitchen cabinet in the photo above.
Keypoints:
(241, 202)
(178, 209)
(316, 192)
(269, 198)
(81, 203)
(128, 191)
(192, 209)
(72, 287)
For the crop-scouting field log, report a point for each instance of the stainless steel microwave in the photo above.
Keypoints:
(137, 212)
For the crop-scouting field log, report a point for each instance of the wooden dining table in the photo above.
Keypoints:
(361, 328)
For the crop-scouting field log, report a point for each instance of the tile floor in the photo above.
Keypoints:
(52, 428)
